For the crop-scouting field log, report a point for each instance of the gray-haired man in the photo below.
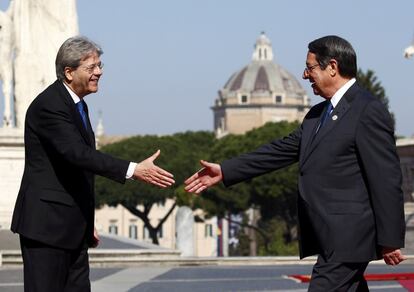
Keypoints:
(54, 212)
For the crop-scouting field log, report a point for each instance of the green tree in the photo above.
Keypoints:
(179, 153)
(370, 82)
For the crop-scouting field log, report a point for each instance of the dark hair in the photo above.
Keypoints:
(72, 51)
(334, 47)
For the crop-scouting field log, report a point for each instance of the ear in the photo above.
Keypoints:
(333, 67)
(68, 73)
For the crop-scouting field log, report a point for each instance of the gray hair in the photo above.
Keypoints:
(335, 47)
(72, 52)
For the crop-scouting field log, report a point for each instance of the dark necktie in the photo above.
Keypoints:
(81, 108)
(326, 114)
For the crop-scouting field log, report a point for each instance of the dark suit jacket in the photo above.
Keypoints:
(350, 200)
(55, 204)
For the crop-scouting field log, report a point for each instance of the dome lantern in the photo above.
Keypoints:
(263, 49)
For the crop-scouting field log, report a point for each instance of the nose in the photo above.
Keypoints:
(305, 74)
(97, 70)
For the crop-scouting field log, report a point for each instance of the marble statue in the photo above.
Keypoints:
(38, 28)
(31, 32)
(184, 222)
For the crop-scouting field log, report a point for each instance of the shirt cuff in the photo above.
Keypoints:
(130, 171)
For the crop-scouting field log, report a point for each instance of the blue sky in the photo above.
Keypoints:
(166, 60)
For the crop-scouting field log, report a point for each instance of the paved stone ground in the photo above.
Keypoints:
(409, 240)
(186, 279)
(218, 279)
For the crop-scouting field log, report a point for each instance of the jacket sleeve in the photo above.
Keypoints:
(274, 155)
(55, 127)
(382, 172)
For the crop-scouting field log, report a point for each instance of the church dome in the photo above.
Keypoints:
(262, 77)
(261, 92)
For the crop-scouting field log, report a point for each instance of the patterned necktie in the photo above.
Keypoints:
(329, 108)
(81, 108)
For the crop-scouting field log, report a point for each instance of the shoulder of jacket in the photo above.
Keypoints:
(317, 108)
(48, 98)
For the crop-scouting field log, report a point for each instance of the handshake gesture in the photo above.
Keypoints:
(148, 172)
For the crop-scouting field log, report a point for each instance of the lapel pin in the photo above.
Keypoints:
(334, 117)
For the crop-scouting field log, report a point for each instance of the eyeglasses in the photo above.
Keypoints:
(309, 69)
(91, 68)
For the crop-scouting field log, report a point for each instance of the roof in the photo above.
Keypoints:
(263, 75)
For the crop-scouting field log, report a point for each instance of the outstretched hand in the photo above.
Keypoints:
(148, 172)
(392, 256)
(209, 175)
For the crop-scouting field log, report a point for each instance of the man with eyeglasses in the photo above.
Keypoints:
(350, 202)
(54, 212)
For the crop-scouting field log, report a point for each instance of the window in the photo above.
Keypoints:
(113, 227)
(208, 230)
(278, 99)
(133, 231)
(243, 98)
(145, 233)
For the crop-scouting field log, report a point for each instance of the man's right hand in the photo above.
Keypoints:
(148, 172)
(206, 177)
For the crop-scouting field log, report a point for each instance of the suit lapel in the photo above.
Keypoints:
(337, 115)
(89, 139)
(312, 124)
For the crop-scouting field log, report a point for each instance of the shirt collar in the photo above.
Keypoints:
(341, 91)
(75, 98)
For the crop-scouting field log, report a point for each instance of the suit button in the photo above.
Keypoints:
(301, 173)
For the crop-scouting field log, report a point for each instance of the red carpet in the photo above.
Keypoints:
(407, 284)
(405, 279)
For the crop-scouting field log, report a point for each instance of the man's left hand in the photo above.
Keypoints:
(392, 256)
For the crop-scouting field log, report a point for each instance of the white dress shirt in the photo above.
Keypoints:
(341, 91)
